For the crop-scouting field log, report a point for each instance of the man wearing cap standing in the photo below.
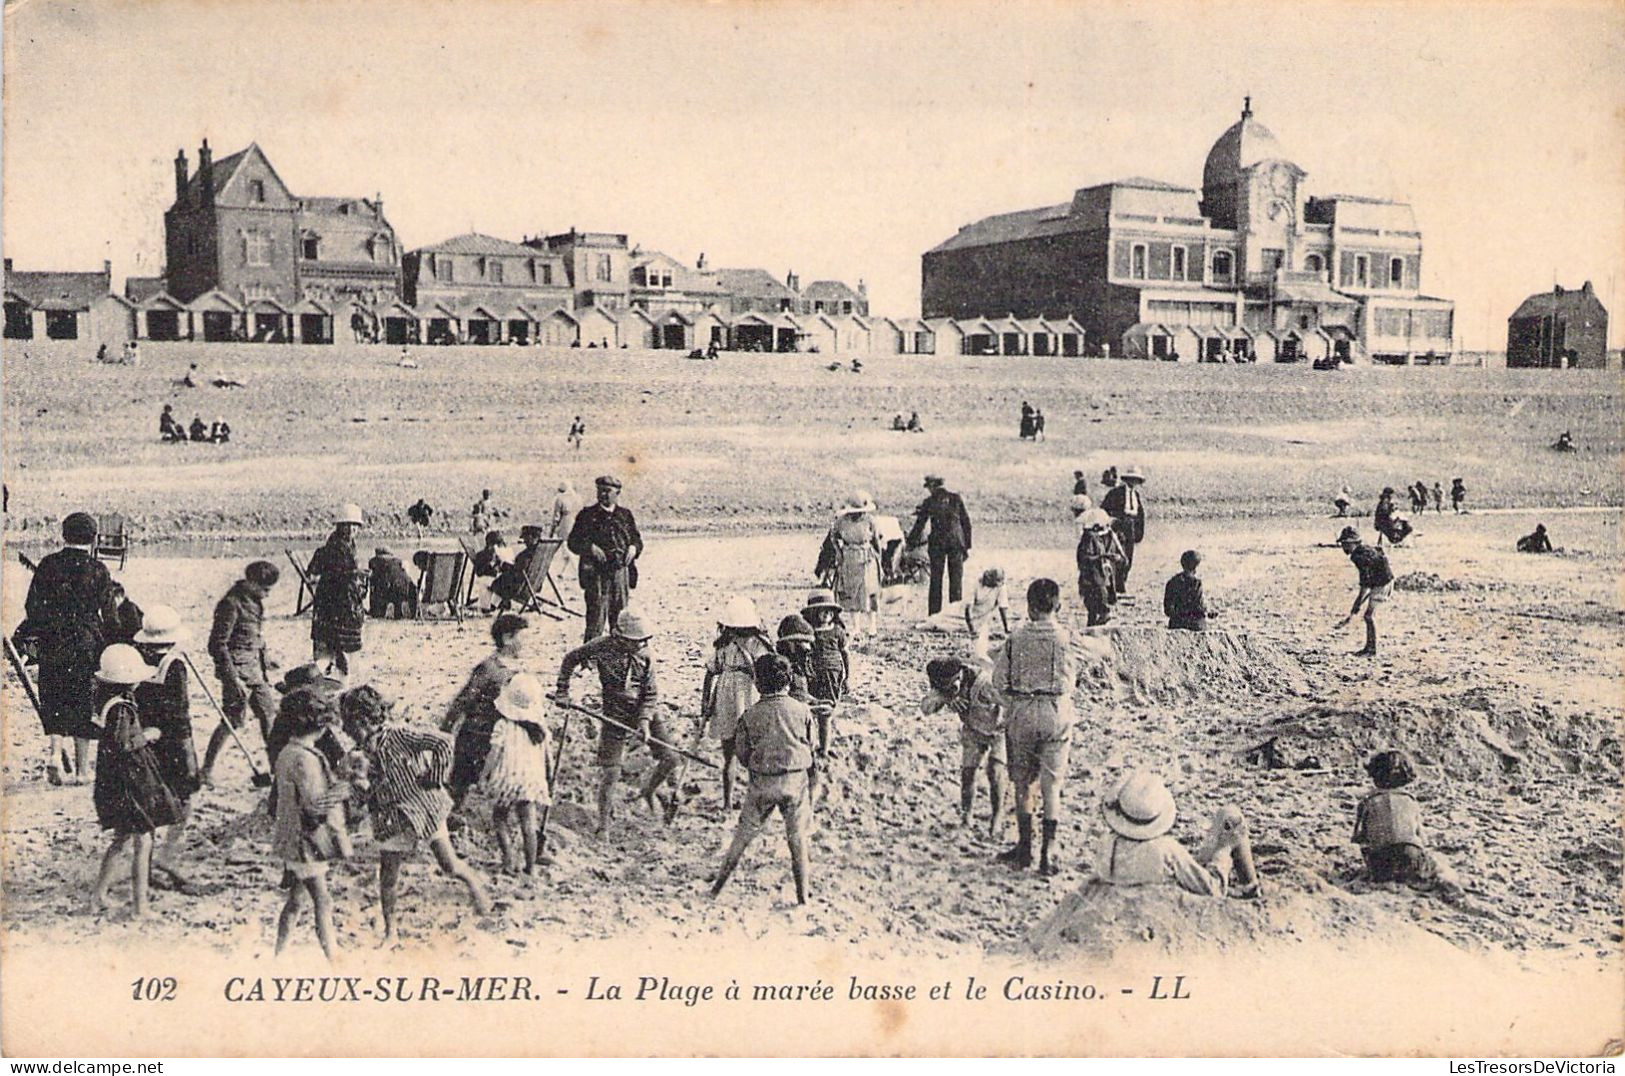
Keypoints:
(1035, 673)
(1123, 503)
(950, 539)
(72, 607)
(606, 538)
(1376, 585)
(626, 679)
(237, 645)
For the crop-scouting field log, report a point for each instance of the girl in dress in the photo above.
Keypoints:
(830, 664)
(165, 705)
(516, 770)
(730, 685)
(131, 799)
(310, 830)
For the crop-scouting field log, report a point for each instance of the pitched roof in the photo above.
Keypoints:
(1148, 184)
(141, 288)
(830, 289)
(756, 282)
(58, 291)
(479, 243)
(336, 206)
(1543, 304)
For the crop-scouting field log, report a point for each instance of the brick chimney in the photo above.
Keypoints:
(701, 263)
(180, 175)
(792, 281)
(378, 205)
(1585, 289)
(205, 171)
(1557, 290)
(8, 265)
(863, 288)
(107, 271)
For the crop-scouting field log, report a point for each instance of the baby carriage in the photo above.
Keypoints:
(898, 562)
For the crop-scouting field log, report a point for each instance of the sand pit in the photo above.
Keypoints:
(1155, 665)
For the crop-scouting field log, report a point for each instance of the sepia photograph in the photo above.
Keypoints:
(694, 528)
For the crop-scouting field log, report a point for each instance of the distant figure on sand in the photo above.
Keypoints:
(578, 431)
(199, 429)
(1438, 498)
(1343, 501)
(914, 423)
(482, 515)
(420, 514)
(1182, 600)
(1537, 542)
(1458, 495)
(1376, 585)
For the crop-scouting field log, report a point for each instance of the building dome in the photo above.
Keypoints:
(1245, 144)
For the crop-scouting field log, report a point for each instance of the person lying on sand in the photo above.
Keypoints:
(1138, 851)
(1388, 829)
(1537, 542)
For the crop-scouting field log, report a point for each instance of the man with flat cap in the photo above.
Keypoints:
(944, 513)
(606, 538)
(72, 608)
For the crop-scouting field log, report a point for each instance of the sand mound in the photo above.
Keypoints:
(1108, 922)
(1478, 734)
(1154, 665)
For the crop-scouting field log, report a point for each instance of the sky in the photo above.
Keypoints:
(836, 139)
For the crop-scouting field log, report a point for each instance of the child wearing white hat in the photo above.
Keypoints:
(729, 688)
(1138, 849)
(516, 769)
(164, 701)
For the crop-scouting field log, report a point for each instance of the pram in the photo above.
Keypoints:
(898, 563)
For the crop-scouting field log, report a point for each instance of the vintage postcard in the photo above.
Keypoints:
(851, 528)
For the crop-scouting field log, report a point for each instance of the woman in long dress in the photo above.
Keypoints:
(856, 574)
(337, 610)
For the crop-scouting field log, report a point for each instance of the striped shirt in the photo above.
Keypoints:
(399, 802)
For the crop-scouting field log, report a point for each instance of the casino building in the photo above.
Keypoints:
(1250, 267)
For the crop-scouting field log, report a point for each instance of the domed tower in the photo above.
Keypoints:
(1249, 185)
(1245, 144)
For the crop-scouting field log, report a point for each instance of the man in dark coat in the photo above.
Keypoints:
(606, 538)
(72, 607)
(950, 540)
(1123, 503)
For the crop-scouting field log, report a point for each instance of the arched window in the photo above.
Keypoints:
(380, 249)
(1313, 263)
(1223, 264)
(1396, 272)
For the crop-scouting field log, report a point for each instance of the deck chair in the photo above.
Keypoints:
(473, 580)
(539, 582)
(441, 581)
(111, 539)
(307, 591)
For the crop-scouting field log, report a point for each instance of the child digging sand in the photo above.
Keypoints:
(959, 687)
(1388, 829)
(310, 831)
(407, 799)
(130, 796)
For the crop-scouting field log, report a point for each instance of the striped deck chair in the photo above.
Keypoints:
(441, 582)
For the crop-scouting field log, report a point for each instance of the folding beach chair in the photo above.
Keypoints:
(441, 582)
(473, 580)
(111, 539)
(307, 590)
(539, 582)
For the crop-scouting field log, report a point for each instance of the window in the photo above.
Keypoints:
(1362, 270)
(312, 246)
(1179, 263)
(256, 249)
(604, 269)
(493, 271)
(443, 270)
(379, 249)
(19, 322)
(846, 306)
(1222, 263)
(256, 191)
(1396, 272)
(1313, 264)
(547, 273)
(61, 325)
(530, 268)
(1137, 262)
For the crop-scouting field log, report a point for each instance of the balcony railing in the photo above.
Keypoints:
(1288, 276)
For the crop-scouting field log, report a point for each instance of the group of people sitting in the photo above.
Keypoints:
(1390, 522)
(171, 431)
(909, 425)
(129, 354)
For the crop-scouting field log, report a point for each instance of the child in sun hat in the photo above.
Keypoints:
(1138, 850)
(130, 796)
(1388, 829)
(729, 688)
(830, 663)
(795, 643)
(165, 704)
(516, 769)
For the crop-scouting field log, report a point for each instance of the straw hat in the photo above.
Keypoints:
(161, 624)
(122, 664)
(858, 503)
(631, 626)
(1132, 474)
(349, 513)
(740, 612)
(308, 675)
(1349, 534)
(822, 598)
(1095, 519)
(1141, 807)
(523, 699)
